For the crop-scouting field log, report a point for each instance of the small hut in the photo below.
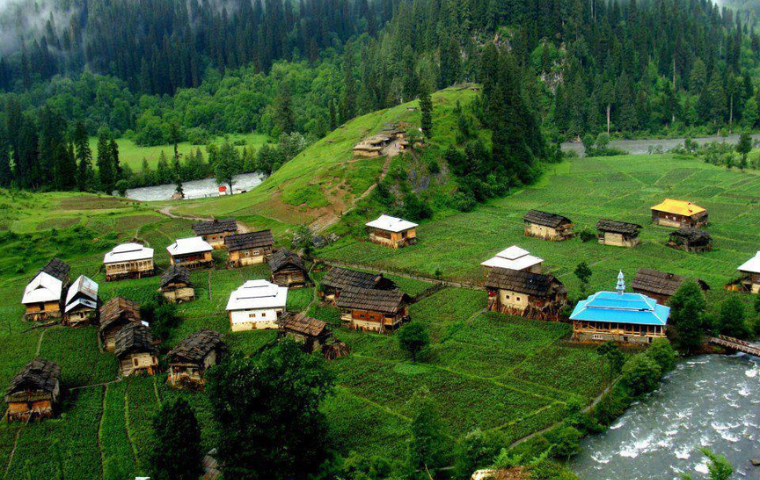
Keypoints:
(660, 285)
(128, 260)
(373, 310)
(514, 258)
(547, 226)
(339, 278)
(176, 286)
(135, 350)
(42, 298)
(310, 332)
(288, 269)
(82, 302)
(35, 392)
(257, 305)
(531, 295)
(679, 213)
(392, 232)
(618, 234)
(192, 252)
(190, 359)
(750, 271)
(248, 248)
(690, 240)
(372, 146)
(214, 231)
(116, 314)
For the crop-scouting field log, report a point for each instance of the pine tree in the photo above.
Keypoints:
(83, 156)
(6, 173)
(106, 171)
(177, 430)
(426, 109)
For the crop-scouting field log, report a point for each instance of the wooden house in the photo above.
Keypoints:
(514, 258)
(135, 350)
(214, 231)
(679, 213)
(750, 271)
(81, 305)
(248, 248)
(660, 285)
(620, 317)
(372, 146)
(531, 295)
(195, 354)
(257, 305)
(618, 234)
(392, 232)
(288, 269)
(373, 310)
(176, 286)
(690, 240)
(339, 278)
(193, 252)
(548, 226)
(42, 298)
(310, 332)
(116, 314)
(35, 392)
(129, 260)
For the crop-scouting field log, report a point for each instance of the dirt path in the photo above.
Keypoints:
(168, 212)
(335, 263)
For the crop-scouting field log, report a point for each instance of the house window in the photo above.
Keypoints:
(596, 336)
(251, 315)
(255, 252)
(137, 362)
(507, 297)
(518, 299)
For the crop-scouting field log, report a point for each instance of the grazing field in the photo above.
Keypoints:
(133, 155)
(586, 190)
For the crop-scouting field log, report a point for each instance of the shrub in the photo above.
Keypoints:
(565, 441)
(587, 235)
(662, 352)
(473, 452)
(641, 374)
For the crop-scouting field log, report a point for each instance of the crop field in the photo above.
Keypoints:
(133, 155)
(619, 188)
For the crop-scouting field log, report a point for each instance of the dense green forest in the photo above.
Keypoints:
(189, 70)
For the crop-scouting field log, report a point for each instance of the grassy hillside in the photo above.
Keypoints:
(133, 155)
(323, 181)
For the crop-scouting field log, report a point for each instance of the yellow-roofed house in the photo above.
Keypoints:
(679, 213)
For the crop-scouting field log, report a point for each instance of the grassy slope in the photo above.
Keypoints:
(132, 155)
(323, 180)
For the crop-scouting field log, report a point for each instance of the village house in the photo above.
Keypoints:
(514, 258)
(750, 271)
(176, 286)
(679, 213)
(660, 285)
(392, 232)
(257, 305)
(116, 314)
(310, 332)
(339, 278)
(129, 260)
(547, 226)
(195, 354)
(82, 302)
(43, 295)
(373, 310)
(531, 295)
(35, 392)
(620, 317)
(193, 252)
(618, 234)
(690, 239)
(288, 270)
(372, 146)
(135, 350)
(248, 248)
(214, 231)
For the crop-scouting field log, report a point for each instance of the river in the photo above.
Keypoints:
(641, 147)
(710, 401)
(194, 189)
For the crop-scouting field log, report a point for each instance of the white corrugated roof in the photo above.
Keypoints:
(258, 294)
(185, 246)
(43, 288)
(85, 285)
(128, 252)
(752, 265)
(391, 224)
(513, 258)
(81, 301)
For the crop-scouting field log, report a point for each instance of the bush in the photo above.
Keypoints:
(565, 441)
(587, 235)
(641, 374)
(413, 338)
(662, 352)
(473, 452)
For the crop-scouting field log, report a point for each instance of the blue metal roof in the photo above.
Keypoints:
(632, 308)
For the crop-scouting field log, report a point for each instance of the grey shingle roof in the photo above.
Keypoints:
(534, 284)
(57, 268)
(196, 346)
(134, 338)
(383, 301)
(175, 274)
(615, 226)
(283, 258)
(37, 375)
(245, 241)
(695, 236)
(117, 308)
(302, 324)
(215, 226)
(546, 219)
(342, 277)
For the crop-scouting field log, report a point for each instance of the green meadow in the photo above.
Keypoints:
(133, 155)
